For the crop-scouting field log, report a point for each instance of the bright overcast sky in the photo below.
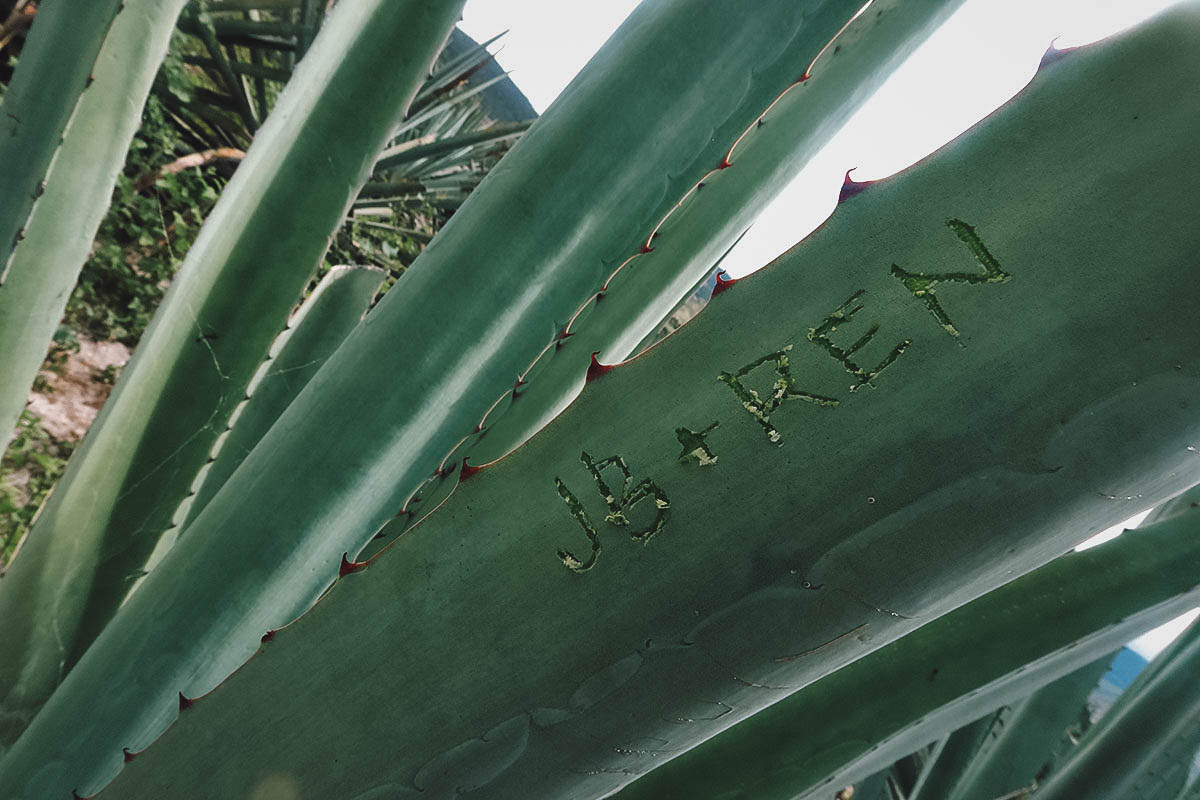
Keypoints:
(981, 57)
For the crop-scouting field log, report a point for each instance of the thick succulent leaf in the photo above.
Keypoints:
(932, 681)
(872, 788)
(678, 248)
(855, 523)
(39, 100)
(66, 122)
(1016, 746)
(576, 195)
(470, 57)
(913, 690)
(231, 298)
(1144, 745)
(1190, 791)
(914, 770)
(957, 749)
(318, 327)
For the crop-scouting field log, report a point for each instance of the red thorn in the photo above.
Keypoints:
(128, 755)
(467, 470)
(646, 248)
(184, 702)
(349, 566)
(1052, 54)
(595, 369)
(723, 283)
(725, 163)
(268, 636)
(851, 187)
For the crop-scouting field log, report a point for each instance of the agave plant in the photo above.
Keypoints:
(829, 476)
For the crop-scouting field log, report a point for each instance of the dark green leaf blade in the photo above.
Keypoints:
(875, 516)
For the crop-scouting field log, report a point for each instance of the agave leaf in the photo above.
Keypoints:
(197, 20)
(400, 155)
(875, 516)
(1014, 746)
(927, 684)
(39, 100)
(679, 247)
(912, 771)
(1144, 745)
(322, 322)
(381, 418)
(456, 69)
(232, 296)
(66, 122)
(1017, 747)
(311, 19)
(450, 103)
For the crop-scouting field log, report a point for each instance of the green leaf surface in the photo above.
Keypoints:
(396, 157)
(39, 100)
(820, 533)
(322, 322)
(456, 68)
(1016, 747)
(409, 383)
(67, 119)
(841, 68)
(241, 279)
(1144, 745)
(913, 690)
(1190, 791)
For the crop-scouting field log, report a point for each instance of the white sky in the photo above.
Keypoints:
(980, 58)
